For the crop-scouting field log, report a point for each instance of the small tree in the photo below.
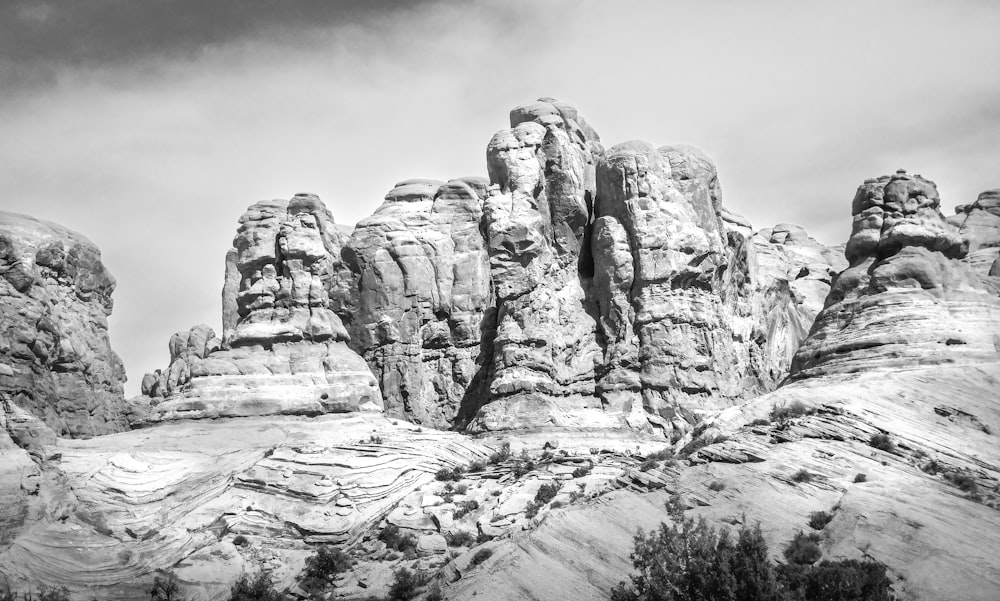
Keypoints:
(257, 588)
(165, 588)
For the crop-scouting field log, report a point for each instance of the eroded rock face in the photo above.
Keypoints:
(284, 348)
(908, 298)
(980, 223)
(56, 360)
(536, 221)
(424, 302)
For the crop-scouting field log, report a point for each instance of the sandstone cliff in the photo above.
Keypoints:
(284, 349)
(56, 360)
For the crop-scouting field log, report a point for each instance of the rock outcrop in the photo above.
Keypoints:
(284, 348)
(423, 303)
(56, 360)
(908, 298)
(980, 223)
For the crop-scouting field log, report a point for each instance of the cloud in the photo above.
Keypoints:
(150, 126)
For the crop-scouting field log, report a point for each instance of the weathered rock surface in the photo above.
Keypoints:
(424, 301)
(980, 223)
(56, 360)
(105, 513)
(907, 298)
(284, 348)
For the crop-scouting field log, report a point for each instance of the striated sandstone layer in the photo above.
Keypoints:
(907, 298)
(284, 348)
(56, 360)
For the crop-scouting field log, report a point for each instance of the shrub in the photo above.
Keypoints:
(762, 421)
(449, 474)
(963, 481)
(845, 580)
(860, 478)
(648, 464)
(481, 556)
(582, 471)
(716, 486)
(374, 439)
(240, 540)
(323, 566)
(501, 455)
(932, 467)
(392, 538)
(532, 510)
(165, 588)
(547, 492)
(477, 466)
(556, 505)
(803, 549)
(461, 489)
(882, 442)
(482, 537)
(802, 476)
(819, 519)
(692, 561)
(792, 410)
(698, 443)
(461, 538)
(404, 586)
(522, 467)
(464, 508)
(258, 588)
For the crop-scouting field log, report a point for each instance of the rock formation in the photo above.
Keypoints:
(283, 349)
(56, 360)
(908, 298)
(423, 298)
(980, 223)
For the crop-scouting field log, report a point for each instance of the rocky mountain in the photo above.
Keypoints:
(56, 361)
(599, 333)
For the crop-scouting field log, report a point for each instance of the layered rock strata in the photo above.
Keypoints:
(283, 349)
(908, 297)
(56, 360)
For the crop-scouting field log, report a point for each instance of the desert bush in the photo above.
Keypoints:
(257, 588)
(716, 485)
(460, 538)
(482, 537)
(792, 410)
(882, 442)
(691, 561)
(555, 505)
(861, 478)
(477, 466)
(698, 443)
(323, 566)
(522, 466)
(501, 455)
(802, 476)
(532, 510)
(819, 519)
(165, 588)
(845, 580)
(963, 481)
(803, 548)
(464, 507)
(761, 421)
(449, 474)
(240, 540)
(582, 471)
(932, 467)
(481, 556)
(393, 539)
(461, 489)
(547, 492)
(404, 585)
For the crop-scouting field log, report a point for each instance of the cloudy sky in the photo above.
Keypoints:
(150, 126)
